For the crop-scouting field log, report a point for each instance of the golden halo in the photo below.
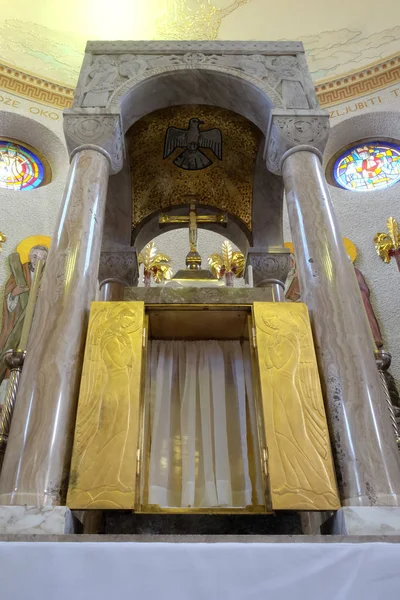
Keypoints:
(350, 249)
(26, 245)
(348, 244)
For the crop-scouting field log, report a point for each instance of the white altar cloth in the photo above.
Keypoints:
(198, 571)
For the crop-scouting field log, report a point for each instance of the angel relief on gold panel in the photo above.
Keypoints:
(106, 432)
(300, 461)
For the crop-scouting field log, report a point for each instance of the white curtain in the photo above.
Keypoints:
(201, 406)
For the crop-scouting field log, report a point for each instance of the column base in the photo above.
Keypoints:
(56, 520)
(364, 520)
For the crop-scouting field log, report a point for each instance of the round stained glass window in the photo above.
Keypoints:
(368, 166)
(20, 167)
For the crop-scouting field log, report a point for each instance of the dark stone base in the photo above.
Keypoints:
(125, 522)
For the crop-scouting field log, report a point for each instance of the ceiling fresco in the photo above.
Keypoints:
(47, 39)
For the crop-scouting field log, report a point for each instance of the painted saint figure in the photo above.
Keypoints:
(16, 299)
(373, 323)
(300, 444)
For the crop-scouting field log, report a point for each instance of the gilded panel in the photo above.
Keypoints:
(300, 462)
(158, 183)
(103, 470)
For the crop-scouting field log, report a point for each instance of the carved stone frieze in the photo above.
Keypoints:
(282, 76)
(185, 46)
(96, 130)
(291, 129)
(268, 265)
(119, 265)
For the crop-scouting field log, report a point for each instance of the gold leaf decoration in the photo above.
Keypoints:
(227, 254)
(164, 272)
(393, 230)
(388, 244)
(216, 263)
(383, 245)
(238, 263)
(155, 265)
(227, 262)
(2, 240)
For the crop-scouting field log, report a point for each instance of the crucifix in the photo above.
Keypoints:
(193, 258)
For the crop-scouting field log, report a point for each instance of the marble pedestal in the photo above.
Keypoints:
(364, 520)
(56, 520)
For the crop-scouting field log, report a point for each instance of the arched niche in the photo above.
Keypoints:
(234, 230)
(264, 213)
(211, 86)
(216, 87)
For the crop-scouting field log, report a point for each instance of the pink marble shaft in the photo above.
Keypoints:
(36, 464)
(367, 459)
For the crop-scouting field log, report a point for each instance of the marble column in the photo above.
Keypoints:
(36, 465)
(118, 269)
(367, 460)
(111, 290)
(270, 269)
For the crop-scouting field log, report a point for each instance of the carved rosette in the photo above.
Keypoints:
(293, 130)
(103, 131)
(119, 265)
(268, 265)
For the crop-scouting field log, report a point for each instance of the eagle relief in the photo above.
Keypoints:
(192, 139)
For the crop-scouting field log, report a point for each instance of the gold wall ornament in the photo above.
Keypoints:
(227, 184)
(155, 265)
(3, 239)
(300, 464)
(228, 263)
(106, 444)
(387, 245)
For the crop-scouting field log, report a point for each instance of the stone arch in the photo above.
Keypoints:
(217, 86)
(204, 84)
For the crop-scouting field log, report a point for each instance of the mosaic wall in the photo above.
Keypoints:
(193, 150)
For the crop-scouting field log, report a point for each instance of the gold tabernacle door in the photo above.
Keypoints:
(111, 445)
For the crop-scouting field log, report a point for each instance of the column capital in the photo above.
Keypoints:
(270, 265)
(120, 265)
(96, 131)
(294, 130)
